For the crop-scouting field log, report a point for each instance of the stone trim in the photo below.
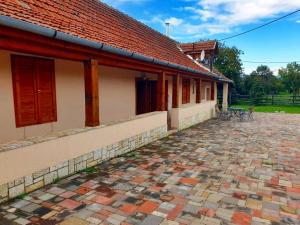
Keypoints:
(48, 175)
(194, 119)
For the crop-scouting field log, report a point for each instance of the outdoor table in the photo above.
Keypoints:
(236, 111)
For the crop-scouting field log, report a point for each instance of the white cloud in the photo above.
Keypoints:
(298, 21)
(208, 17)
(174, 21)
(249, 68)
(237, 12)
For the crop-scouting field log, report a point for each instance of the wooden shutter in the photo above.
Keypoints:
(23, 71)
(46, 90)
(34, 90)
(186, 91)
(212, 94)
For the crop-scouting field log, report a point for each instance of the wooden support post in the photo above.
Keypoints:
(91, 83)
(175, 95)
(198, 91)
(225, 96)
(161, 99)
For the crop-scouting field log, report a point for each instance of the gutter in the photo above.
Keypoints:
(51, 33)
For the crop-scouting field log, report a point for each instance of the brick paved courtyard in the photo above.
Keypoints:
(214, 173)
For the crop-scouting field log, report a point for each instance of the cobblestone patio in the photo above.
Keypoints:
(214, 173)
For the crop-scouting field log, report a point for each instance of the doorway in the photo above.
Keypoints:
(146, 97)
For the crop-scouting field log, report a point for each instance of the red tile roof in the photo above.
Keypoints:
(96, 21)
(198, 46)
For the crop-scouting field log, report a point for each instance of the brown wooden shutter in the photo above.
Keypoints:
(34, 90)
(212, 94)
(46, 90)
(23, 71)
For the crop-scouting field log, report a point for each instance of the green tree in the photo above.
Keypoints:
(291, 77)
(270, 84)
(229, 63)
(257, 92)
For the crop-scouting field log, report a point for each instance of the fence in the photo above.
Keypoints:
(266, 100)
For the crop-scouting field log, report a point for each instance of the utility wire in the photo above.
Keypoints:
(256, 28)
(269, 62)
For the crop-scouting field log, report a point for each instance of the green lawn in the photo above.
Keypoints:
(273, 109)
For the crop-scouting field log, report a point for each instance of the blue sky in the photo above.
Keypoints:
(192, 20)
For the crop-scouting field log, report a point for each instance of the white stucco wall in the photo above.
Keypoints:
(117, 93)
(69, 95)
(189, 114)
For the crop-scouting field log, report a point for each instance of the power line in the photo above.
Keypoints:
(256, 28)
(269, 62)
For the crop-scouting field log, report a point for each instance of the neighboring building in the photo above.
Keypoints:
(80, 83)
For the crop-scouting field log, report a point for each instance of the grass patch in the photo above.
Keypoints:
(21, 196)
(56, 180)
(90, 170)
(273, 108)
(132, 154)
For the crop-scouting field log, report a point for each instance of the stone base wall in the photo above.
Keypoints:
(188, 116)
(51, 174)
(193, 120)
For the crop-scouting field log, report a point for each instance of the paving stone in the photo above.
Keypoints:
(83, 214)
(20, 204)
(22, 221)
(230, 200)
(46, 197)
(167, 206)
(56, 190)
(94, 207)
(224, 213)
(209, 221)
(10, 216)
(74, 221)
(152, 220)
(213, 173)
(69, 204)
(30, 208)
(191, 209)
(93, 220)
(169, 222)
(215, 197)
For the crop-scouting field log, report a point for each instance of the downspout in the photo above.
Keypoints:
(51, 33)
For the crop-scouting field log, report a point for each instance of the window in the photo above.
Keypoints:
(34, 90)
(186, 91)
